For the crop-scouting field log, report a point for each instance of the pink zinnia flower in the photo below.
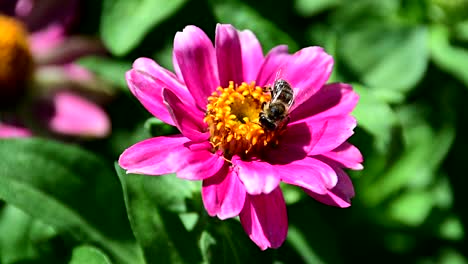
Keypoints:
(39, 81)
(214, 99)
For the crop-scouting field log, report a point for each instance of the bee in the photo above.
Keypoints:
(274, 114)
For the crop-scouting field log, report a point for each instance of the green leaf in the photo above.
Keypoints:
(375, 116)
(386, 56)
(22, 237)
(242, 16)
(88, 255)
(451, 59)
(112, 71)
(69, 189)
(125, 23)
(417, 165)
(313, 7)
(151, 205)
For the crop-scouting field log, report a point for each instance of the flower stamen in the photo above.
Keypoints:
(233, 119)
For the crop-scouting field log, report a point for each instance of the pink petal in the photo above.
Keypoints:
(347, 156)
(258, 176)
(228, 55)
(155, 156)
(177, 68)
(223, 194)
(294, 145)
(70, 114)
(200, 163)
(309, 173)
(45, 40)
(307, 71)
(331, 100)
(13, 131)
(340, 195)
(162, 155)
(252, 55)
(273, 60)
(187, 119)
(196, 58)
(328, 133)
(147, 80)
(265, 219)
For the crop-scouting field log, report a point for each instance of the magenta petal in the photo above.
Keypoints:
(340, 195)
(44, 41)
(13, 131)
(223, 194)
(70, 114)
(155, 156)
(189, 120)
(329, 133)
(265, 219)
(331, 100)
(228, 55)
(347, 156)
(196, 58)
(201, 163)
(309, 173)
(258, 176)
(147, 80)
(307, 71)
(252, 55)
(273, 60)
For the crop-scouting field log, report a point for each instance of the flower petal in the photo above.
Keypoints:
(328, 133)
(258, 176)
(196, 58)
(309, 173)
(295, 144)
(223, 194)
(340, 195)
(155, 156)
(347, 156)
(276, 57)
(228, 55)
(169, 154)
(307, 71)
(252, 55)
(187, 119)
(13, 131)
(331, 100)
(70, 114)
(265, 219)
(147, 80)
(200, 163)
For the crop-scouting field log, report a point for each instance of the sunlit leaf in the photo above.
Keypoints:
(88, 255)
(125, 23)
(375, 116)
(152, 203)
(21, 235)
(312, 7)
(386, 56)
(68, 188)
(449, 58)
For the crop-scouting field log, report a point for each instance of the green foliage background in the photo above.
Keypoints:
(408, 60)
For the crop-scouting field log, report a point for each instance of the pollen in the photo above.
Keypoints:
(232, 117)
(16, 62)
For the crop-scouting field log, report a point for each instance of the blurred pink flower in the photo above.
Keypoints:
(36, 66)
(214, 99)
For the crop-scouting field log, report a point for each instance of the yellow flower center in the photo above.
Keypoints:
(232, 117)
(16, 62)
